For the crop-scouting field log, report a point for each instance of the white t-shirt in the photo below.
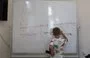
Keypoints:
(57, 43)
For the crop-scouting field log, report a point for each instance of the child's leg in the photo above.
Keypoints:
(51, 49)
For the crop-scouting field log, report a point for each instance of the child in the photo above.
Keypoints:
(57, 43)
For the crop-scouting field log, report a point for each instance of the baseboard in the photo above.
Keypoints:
(41, 56)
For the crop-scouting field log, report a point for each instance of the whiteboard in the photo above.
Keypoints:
(33, 21)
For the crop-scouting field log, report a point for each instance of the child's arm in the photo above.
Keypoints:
(62, 46)
(64, 35)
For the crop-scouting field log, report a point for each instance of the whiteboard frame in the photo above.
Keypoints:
(44, 54)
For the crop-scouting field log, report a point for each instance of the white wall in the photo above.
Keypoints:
(83, 11)
(84, 20)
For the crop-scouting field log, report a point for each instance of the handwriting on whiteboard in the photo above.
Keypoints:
(44, 25)
(23, 29)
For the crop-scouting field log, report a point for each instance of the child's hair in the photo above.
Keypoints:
(56, 31)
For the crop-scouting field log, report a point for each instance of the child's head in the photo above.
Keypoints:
(56, 31)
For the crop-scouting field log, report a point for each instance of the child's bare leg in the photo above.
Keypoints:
(51, 49)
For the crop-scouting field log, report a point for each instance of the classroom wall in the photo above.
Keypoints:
(83, 12)
(5, 34)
